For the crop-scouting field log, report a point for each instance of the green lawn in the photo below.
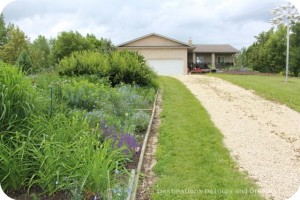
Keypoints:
(192, 160)
(270, 87)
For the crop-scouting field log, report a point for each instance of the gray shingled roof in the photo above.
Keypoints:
(214, 48)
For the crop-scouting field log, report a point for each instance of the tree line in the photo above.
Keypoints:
(268, 53)
(42, 53)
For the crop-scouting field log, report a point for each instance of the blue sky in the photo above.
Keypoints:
(234, 22)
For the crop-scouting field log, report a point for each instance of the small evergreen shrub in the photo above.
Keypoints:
(24, 62)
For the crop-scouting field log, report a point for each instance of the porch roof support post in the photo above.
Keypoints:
(213, 60)
(194, 58)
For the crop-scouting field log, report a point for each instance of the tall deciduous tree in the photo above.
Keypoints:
(286, 15)
(268, 52)
(40, 54)
(275, 50)
(66, 43)
(241, 58)
(102, 45)
(295, 50)
(17, 41)
(69, 42)
(3, 31)
(257, 53)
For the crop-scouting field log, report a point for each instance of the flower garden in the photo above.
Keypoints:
(70, 133)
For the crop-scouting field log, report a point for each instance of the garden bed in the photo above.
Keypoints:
(72, 137)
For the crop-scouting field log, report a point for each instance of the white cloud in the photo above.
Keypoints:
(220, 21)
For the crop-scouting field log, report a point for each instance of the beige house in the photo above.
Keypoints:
(171, 57)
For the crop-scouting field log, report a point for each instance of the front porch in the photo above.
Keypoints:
(210, 60)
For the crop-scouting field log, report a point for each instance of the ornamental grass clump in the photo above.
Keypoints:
(70, 156)
(17, 98)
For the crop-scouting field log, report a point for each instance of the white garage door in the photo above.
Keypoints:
(167, 66)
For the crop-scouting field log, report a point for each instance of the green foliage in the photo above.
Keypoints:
(69, 155)
(17, 41)
(295, 50)
(40, 54)
(130, 68)
(16, 165)
(122, 106)
(261, 57)
(3, 31)
(275, 45)
(17, 98)
(85, 95)
(59, 154)
(49, 124)
(119, 106)
(120, 67)
(24, 62)
(268, 53)
(69, 42)
(103, 45)
(65, 150)
(85, 63)
(127, 102)
(241, 59)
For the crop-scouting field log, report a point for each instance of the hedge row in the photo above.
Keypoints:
(119, 67)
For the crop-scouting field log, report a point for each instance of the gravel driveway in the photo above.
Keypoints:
(262, 136)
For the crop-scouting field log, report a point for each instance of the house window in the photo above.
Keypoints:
(221, 59)
(199, 59)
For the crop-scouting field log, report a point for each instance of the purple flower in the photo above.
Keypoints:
(120, 140)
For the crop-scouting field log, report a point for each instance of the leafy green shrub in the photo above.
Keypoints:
(84, 63)
(130, 68)
(119, 67)
(17, 98)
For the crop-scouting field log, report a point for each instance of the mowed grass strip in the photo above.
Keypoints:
(192, 162)
(273, 88)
